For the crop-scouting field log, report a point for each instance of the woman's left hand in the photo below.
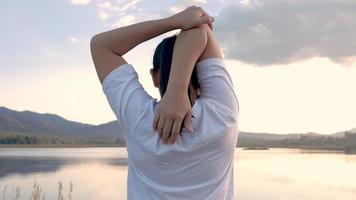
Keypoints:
(173, 110)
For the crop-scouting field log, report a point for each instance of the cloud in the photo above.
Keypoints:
(120, 12)
(174, 9)
(104, 5)
(128, 5)
(80, 2)
(73, 39)
(145, 10)
(127, 20)
(103, 15)
(280, 32)
(201, 1)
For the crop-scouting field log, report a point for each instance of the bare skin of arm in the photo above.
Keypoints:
(191, 46)
(107, 48)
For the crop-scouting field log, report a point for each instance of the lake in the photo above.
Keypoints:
(100, 173)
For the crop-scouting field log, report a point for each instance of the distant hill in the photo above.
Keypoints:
(345, 140)
(27, 127)
(268, 136)
(30, 123)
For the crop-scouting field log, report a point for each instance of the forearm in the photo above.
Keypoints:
(188, 47)
(123, 39)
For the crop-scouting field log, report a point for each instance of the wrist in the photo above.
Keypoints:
(171, 22)
(177, 89)
(177, 95)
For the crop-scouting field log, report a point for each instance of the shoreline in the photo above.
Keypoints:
(57, 146)
(245, 148)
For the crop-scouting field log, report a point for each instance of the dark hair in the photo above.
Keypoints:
(162, 60)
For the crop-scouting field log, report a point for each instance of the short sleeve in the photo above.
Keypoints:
(216, 84)
(125, 95)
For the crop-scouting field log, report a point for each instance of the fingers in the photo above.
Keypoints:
(155, 121)
(206, 18)
(211, 26)
(167, 130)
(175, 131)
(188, 122)
(204, 13)
(160, 126)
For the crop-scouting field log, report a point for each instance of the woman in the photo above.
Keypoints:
(165, 162)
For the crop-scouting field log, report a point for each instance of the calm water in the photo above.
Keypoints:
(100, 173)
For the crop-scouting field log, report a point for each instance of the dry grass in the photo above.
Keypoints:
(37, 192)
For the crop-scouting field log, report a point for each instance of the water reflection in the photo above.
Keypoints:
(100, 173)
(294, 175)
(96, 173)
(28, 165)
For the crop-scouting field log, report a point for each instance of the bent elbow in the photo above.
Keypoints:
(195, 36)
(96, 42)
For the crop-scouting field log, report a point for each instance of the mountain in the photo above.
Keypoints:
(44, 124)
(345, 140)
(31, 122)
(342, 133)
(27, 127)
(267, 136)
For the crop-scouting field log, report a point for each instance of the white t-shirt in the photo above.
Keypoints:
(198, 165)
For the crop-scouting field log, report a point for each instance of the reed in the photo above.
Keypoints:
(37, 192)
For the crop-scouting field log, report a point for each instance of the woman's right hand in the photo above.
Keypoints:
(192, 17)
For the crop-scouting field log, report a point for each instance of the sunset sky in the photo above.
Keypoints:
(293, 63)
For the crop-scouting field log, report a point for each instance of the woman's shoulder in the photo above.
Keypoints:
(211, 111)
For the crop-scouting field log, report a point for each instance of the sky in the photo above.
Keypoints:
(293, 63)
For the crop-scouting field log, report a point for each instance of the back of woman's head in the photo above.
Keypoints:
(162, 61)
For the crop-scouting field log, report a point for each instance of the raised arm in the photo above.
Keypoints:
(175, 105)
(107, 48)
